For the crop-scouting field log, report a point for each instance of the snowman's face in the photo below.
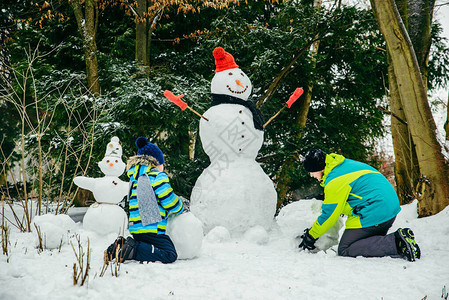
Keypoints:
(112, 166)
(232, 82)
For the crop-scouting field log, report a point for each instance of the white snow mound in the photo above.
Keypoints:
(186, 232)
(54, 230)
(104, 219)
(297, 216)
(218, 234)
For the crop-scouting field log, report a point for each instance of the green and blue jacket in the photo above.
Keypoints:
(357, 190)
(168, 202)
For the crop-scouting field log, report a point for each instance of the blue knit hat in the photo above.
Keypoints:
(147, 148)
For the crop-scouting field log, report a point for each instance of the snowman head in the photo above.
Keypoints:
(229, 79)
(112, 164)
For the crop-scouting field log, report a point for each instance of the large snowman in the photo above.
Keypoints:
(233, 191)
(105, 216)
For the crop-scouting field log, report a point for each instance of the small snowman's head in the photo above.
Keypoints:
(112, 166)
(229, 79)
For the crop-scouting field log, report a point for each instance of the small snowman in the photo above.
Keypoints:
(105, 216)
(233, 191)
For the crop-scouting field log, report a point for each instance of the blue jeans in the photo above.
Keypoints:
(154, 247)
(369, 242)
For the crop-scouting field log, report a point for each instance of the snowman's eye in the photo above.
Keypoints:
(117, 148)
(116, 161)
(107, 161)
(230, 74)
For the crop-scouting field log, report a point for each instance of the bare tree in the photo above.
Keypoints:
(87, 21)
(37, 111)
(432, 187)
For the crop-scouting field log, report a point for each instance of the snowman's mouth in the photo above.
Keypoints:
(236, 92)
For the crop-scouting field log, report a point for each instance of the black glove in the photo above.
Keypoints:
(307, 241)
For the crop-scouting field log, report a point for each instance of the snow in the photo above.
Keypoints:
(186, 232)
(105, 218)
(295, 217)
(235, 268)
(52, 229)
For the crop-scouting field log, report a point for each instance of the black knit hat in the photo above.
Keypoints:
(314, 160)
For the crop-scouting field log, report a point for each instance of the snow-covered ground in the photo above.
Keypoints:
(235, 269)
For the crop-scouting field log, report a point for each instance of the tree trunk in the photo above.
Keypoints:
(142, 50)
(87, 26)
(406, 169)
(446, 124)
(433, 189)
(417, 18)
(192, 142)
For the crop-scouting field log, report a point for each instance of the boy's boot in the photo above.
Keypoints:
(112, 249)
(406, 244)
(128, 251)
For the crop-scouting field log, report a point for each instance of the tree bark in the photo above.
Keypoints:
(192, 142)
(142, 50)
(406, 167)
(446, 124)
(417, 18)
(433, 187)
(87, 26)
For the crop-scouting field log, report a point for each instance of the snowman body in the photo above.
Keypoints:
(107, 189)
(233, 191)
(105, 216)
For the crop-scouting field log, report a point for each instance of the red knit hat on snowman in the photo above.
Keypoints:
(223, 60)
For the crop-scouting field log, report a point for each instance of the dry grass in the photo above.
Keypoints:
(114, 264)
(81, 266)
(5, 230)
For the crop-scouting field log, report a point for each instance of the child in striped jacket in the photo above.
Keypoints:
(151, 201)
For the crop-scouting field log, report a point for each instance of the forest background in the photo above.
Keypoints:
(75, 73)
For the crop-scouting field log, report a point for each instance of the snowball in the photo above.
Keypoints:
(256, 235)
(297, 216)
(237, 197)
(230, 133)
(186, 232)
(54, 229)
(105, 219)
(218, 234)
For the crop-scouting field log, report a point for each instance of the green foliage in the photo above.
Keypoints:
(348, 79)
(439, 59)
